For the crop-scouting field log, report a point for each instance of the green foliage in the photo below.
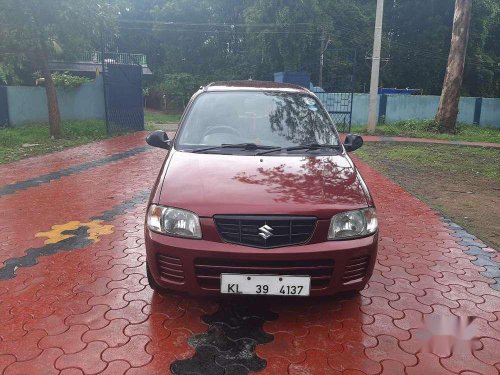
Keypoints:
(428, 129)
(160, 118)
(269, 36)
(33, 139)
(227, 39)
(65, 80)
(177, 88)
(446, 158)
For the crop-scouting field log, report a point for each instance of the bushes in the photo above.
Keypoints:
(173, 91)
(65, 80)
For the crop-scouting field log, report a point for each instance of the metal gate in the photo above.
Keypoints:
(123, 97)
(339, 77)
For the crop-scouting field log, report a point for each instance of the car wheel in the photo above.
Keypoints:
(152, 283)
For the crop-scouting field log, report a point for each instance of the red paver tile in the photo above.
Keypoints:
(318, 338)
(450, 278)
(427, 282)
(398, 272)
(275, 365)
(176, 344)
(43, 364)
(112, 334)
(379, 278)
(315, 363)
(462, 360)
(434, 296)
(131, 283)
(481, 288)
(89, 360)
(376, 289)
(69, 341)
(473, 275)
(286, 346)
(134, 352)
(132, 312)
(153, 327)
(381, 305)
(384, 325)
(94, 318)
(352, 331)
(354, 358)
(458, 292)
(287, 323)
(404, 286)
(388, 348)
(411, 319)
(25, 348)
(53, 324)
(101, 290)
(71, 371)
(391, 367)
(98, 288)
(490, 351)
(491, 303)
(116, 367)
(468, 308)
(114, 299)
(427, 364)
(5, 361)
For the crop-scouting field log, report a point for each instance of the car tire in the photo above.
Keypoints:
(152, 283)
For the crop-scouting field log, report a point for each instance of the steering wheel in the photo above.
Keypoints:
(222, 129)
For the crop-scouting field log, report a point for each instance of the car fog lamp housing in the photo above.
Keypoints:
(173, 222)
(353, 224)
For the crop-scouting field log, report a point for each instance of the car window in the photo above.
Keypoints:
(278, 119)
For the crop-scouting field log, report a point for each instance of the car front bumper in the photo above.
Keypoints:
(194, 266)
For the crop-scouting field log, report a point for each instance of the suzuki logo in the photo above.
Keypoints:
(266, 232)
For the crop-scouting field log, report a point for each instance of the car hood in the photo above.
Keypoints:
(209, 184)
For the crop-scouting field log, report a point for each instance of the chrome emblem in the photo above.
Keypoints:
(266, 231)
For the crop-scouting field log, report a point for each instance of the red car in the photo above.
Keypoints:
(257, 195)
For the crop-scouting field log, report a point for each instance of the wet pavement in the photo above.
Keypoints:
(74, 297)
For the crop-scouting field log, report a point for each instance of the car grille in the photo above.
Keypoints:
(170, 268)
(246, 230)
(208, 271)
(355, 269)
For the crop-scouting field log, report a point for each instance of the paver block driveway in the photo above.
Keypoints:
(74, 297)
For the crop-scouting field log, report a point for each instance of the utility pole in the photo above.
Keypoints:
(447, 114)
(324, 47)
(377, 47)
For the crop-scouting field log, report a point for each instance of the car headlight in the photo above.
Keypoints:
(173, 222)
(353, 224)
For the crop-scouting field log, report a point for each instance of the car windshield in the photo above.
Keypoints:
(259, 119)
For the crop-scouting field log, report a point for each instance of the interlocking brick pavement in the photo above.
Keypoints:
(76, 300)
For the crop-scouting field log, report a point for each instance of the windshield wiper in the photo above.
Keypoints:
(312, 146)
(245, 146)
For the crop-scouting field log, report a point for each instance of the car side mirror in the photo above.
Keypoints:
(159, 139)
(353, 142)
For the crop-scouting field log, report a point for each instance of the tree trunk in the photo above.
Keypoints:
(447, 114)
(52, 104)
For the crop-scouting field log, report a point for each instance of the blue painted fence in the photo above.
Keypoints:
(28, 104)
(484, 112)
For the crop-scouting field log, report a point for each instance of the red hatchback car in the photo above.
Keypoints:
(257, 195)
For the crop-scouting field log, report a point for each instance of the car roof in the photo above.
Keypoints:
(251, 85)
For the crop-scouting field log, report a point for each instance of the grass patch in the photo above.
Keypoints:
(462, 182)
(427, 129)
(155, 118)
(33, 139)
(459, 160)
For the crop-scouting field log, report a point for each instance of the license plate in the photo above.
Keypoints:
(265, 285)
